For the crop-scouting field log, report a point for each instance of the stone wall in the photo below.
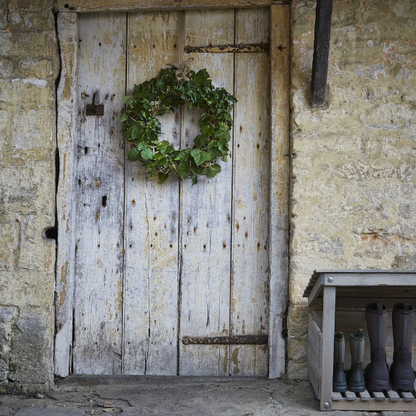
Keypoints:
(29, 65)
(353, 167)
(354, 162)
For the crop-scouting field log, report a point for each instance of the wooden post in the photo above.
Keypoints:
(67, 128)
(321, 51)
(279, 192)
(327, 359)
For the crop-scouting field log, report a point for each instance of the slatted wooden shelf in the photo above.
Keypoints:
(391, 400)
(337, 301)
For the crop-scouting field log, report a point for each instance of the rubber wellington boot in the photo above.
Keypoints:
(355, 376)
(376, 373)
(339, 381)
(401, 371)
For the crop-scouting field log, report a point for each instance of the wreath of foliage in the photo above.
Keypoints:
(176, 85)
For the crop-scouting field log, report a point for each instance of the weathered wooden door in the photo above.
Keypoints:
(155, 263)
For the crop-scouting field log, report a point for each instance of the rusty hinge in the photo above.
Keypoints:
(236, 339)
(237, 48)
(94, 109)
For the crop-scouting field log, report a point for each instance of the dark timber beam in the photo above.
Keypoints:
(321, 51)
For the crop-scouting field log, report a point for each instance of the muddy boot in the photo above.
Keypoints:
(377, 372)
(355, 376)
(339, 381)
(401, 371)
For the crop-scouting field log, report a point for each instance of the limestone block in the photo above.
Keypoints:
(36, 253)
(35, 68)
(9, 243)
(31, 19)
(6, 43)
(4, 369)
(8, 316)
(31, 44)
(30, 287)
(32, 354)
(34, 129)
(34, 5)
(28, 92)
(3, 18)
(297, 370)
(4, 128)
(30, 190)
(6, 67)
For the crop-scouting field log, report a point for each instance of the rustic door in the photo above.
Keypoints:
(174, 278)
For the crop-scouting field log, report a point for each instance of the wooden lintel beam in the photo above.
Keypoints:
(97, 6)
(240, 48)
(321, 51)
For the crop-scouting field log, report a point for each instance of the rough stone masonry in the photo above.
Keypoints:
(352, 181)
(29, 65)
(353, 162)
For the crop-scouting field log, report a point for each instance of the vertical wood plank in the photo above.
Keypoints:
(250, 285)
(327, 358)
(99, 197)
(67, 126)
(206, 216)
(279, 183)
(152, 213)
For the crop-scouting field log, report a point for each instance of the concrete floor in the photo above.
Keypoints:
(172, 396)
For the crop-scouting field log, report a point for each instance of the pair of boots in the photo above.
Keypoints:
(401, 374)
(377, 375)
(353, 380)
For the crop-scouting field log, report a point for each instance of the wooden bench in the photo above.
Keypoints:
(337, 301)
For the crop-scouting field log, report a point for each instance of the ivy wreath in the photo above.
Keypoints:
(176, 85)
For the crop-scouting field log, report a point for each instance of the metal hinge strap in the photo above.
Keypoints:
(236, 339)
(237, 48)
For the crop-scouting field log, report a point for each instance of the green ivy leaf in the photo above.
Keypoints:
(146, 154)
(133, 154)
(197, 155)
(211, 171)
(162, 177)
(137, 132)
(201, 77)
(128, 100)
(127, 133)
(183, 170)
(200, 140)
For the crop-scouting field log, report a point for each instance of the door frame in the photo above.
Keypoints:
(67, 119)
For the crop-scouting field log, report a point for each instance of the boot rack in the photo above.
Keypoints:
(336, 301)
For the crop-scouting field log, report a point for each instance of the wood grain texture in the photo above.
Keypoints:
(374, 405)
(321, 51)
(279, 184)
(99, 198)
(152, 215)
(314, 355)
(206, 217)
(327, 357)
(251, 171)
(67, 127)
(156, 262)
(82, 6)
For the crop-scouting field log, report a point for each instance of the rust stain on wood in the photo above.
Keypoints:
(64, 274)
